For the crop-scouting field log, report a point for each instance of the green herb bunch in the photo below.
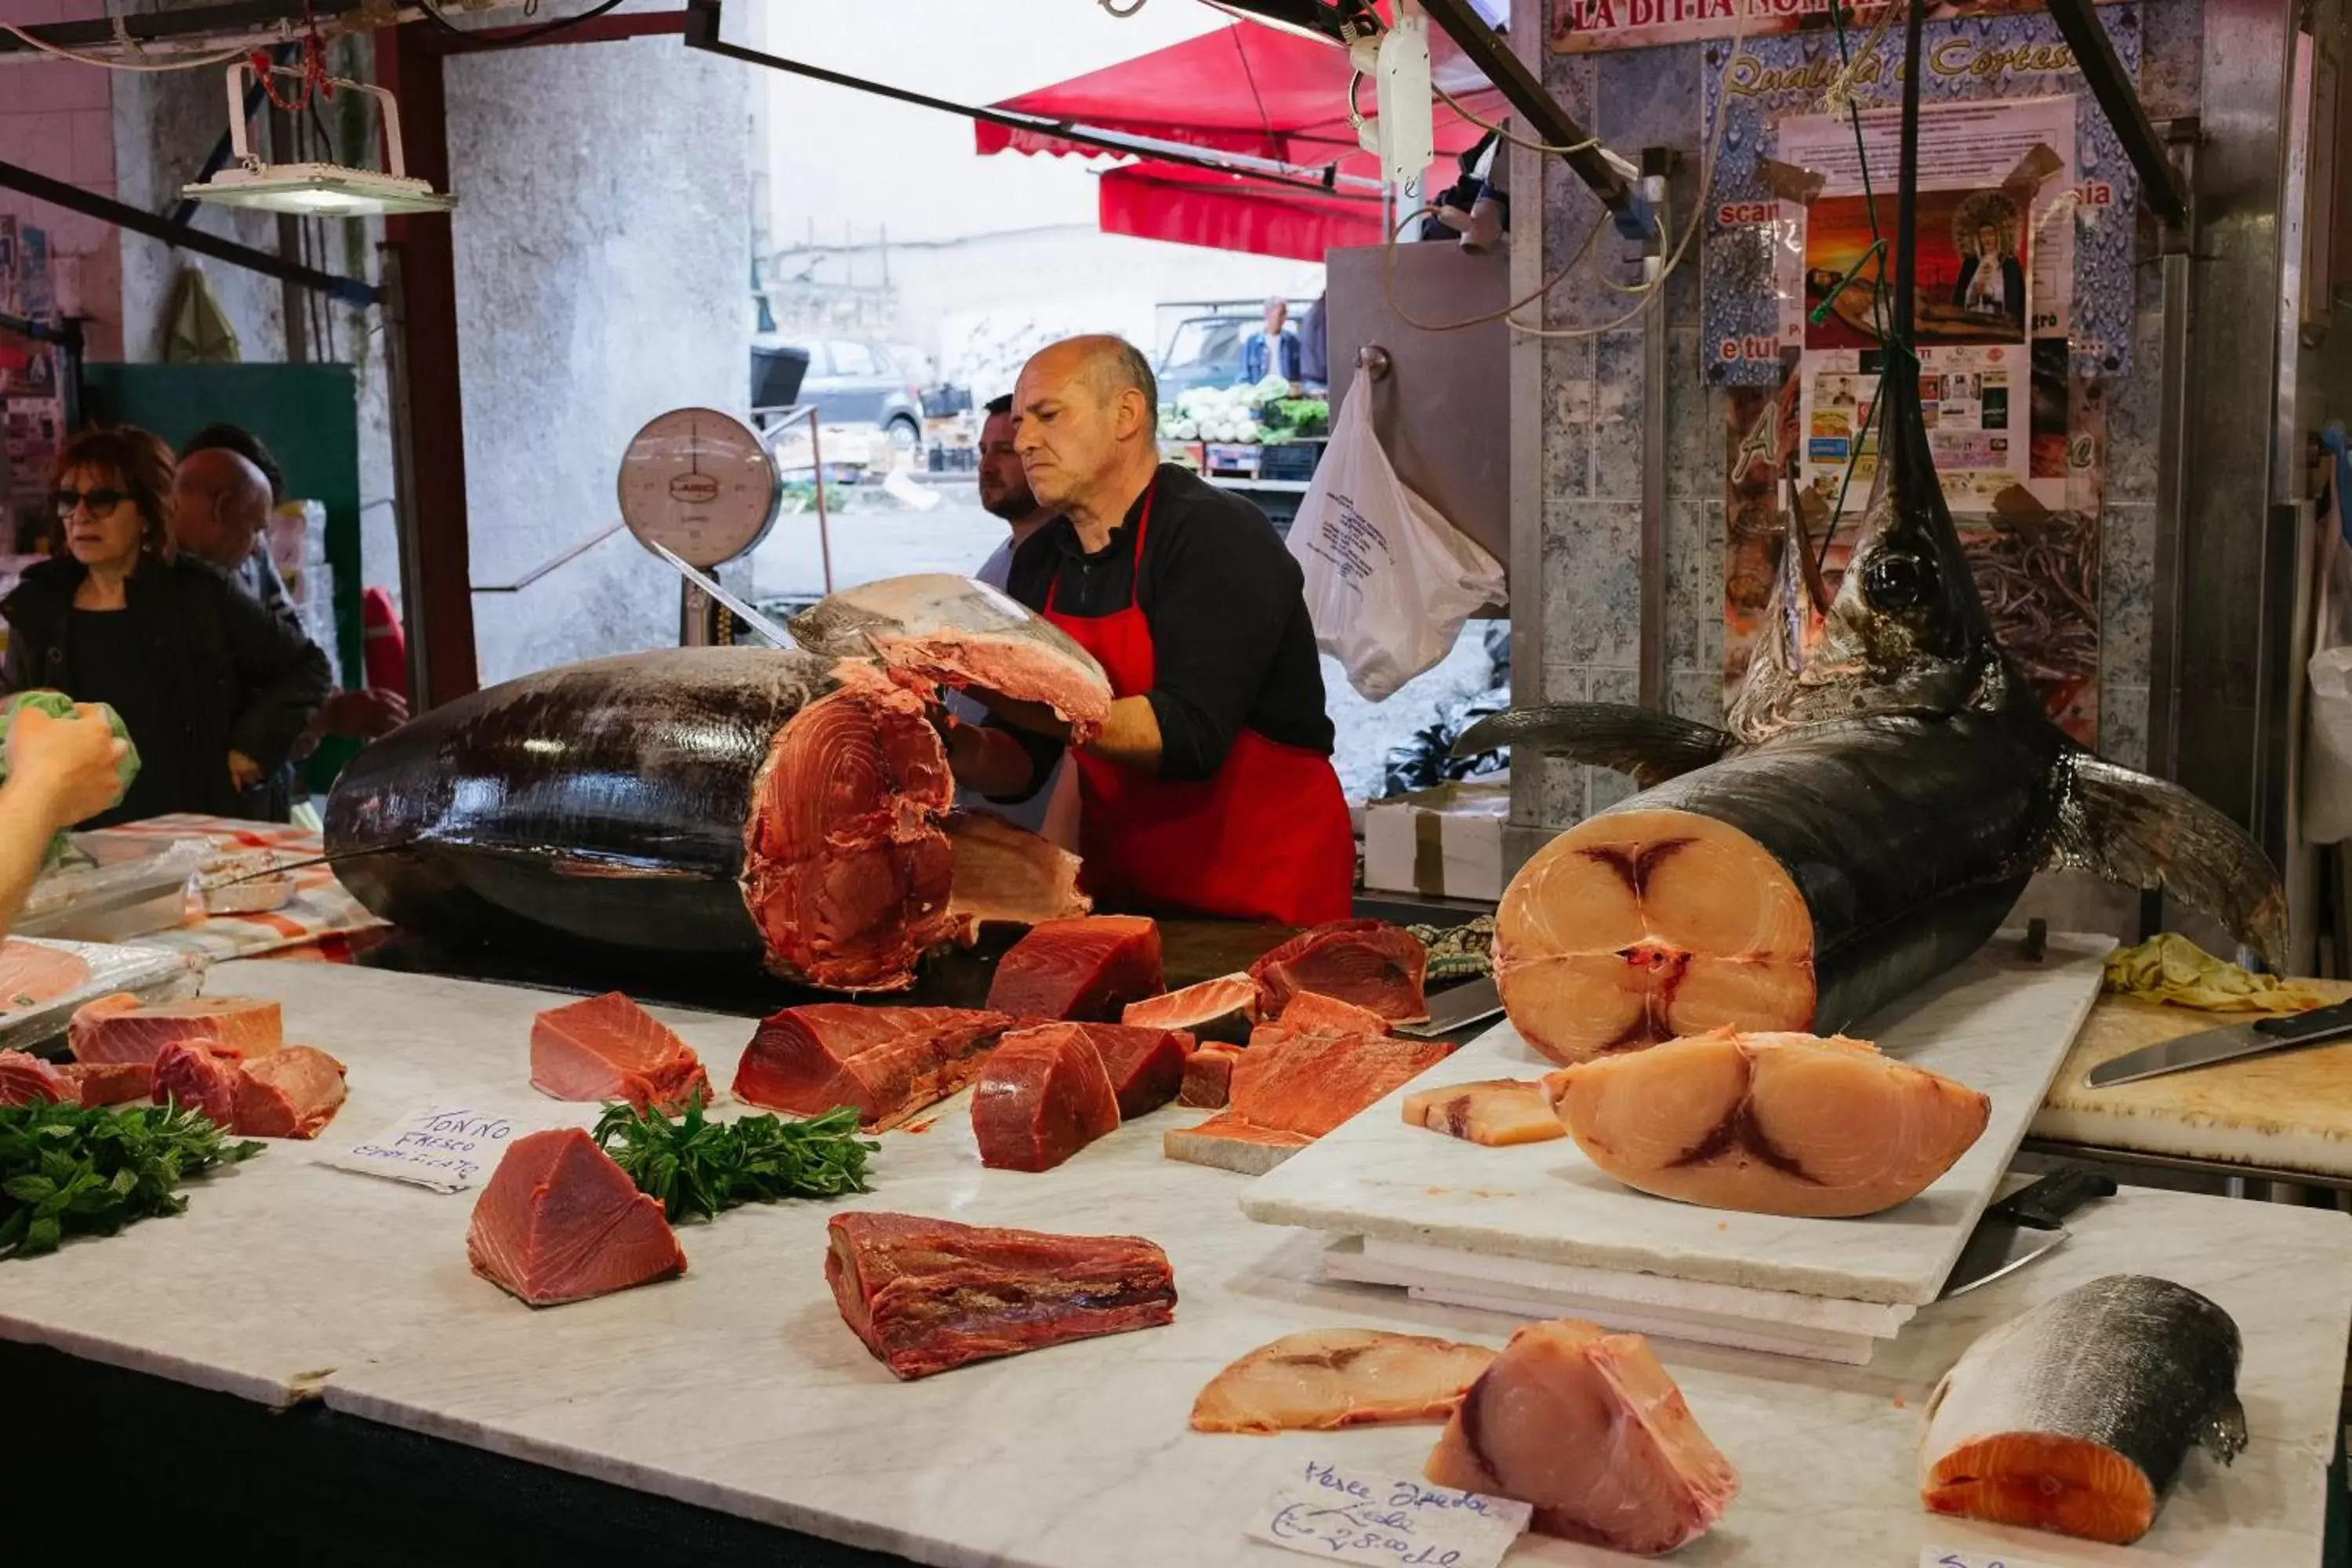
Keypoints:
(696, 1167)
(72, 1169)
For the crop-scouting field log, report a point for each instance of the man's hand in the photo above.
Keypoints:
(243, 770)
(988, 761)
(1035, 717)
(68, 767)
(366, 715)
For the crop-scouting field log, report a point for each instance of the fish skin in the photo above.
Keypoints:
(2127, 1365)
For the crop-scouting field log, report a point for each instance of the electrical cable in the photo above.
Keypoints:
(24, 37)
(1505, 133)
(516, 40)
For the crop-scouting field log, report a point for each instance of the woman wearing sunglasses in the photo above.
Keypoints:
(212, 687)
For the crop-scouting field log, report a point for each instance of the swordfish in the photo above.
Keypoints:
(1886, 785)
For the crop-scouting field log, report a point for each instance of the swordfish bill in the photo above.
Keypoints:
(1884, 786)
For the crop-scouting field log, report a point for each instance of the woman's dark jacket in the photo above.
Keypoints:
(239, 677)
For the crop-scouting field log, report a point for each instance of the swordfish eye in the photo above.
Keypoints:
(1897, 581)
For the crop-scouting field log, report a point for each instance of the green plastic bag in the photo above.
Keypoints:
(57, 705)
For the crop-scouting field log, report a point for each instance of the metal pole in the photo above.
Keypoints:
(2172, 453)
(823, 529)
(1652, 673)
(2094, 57)
(404, 478)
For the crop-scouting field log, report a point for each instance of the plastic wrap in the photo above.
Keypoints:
(150, 974)
(114, 900)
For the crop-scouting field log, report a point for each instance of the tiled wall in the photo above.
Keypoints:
(1592, 432)
(56, 118)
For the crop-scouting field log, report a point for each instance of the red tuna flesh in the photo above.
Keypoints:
(289, 1093)
(1312, 1012)
(199, 1079)
(122, 1028)
(1042, 1097)
(1079, 971)
(107, 1083)
(926, 1294)
(559, 1222)
(1371, 964)
(608, 1047)
(1146, 1065)
(28, 1081)
(889, 1063)
(1209, 1077)
(1224, 1008)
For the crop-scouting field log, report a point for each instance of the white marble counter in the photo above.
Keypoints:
(738, 1387)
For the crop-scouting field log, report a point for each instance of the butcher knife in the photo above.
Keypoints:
(2225, 1045)
(1472, 1002)
(2023, 1226)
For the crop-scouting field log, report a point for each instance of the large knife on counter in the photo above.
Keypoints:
(1472, 1002)
(2023, 1226)
(2227, 1044)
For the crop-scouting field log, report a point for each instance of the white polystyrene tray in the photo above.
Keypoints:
(150, 974)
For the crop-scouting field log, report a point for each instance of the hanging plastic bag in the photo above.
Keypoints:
(1389, 579)
(2327, 752)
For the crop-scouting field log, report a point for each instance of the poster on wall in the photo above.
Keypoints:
(1581, 27)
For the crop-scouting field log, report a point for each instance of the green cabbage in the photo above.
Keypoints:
(57, 705)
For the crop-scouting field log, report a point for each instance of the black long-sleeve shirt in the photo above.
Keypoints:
(1231, 643)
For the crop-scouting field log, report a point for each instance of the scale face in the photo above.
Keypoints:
(701, 483)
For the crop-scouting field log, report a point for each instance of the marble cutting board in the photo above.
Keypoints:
(2001, 1022)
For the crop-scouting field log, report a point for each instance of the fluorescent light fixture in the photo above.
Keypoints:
(1325, 21)
(315, 190)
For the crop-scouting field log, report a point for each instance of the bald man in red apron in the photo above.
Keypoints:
(1210, 790)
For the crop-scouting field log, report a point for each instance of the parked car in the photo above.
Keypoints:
(853, 381)
(1204, 351)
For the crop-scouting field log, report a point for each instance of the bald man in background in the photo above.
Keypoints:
(220, 508)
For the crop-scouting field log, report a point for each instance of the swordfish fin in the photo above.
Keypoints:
(2144, 833)
(1652, 746)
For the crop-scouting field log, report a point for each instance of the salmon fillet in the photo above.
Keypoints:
(1591, 1430)
(1042, 1097)
(31, 974)
(1494, 1111)
(288, 1093)
(120, 1027)
(1768, 1123)
(1328, 1378)
(559, 1222)
(607, 1048)
(1224, 1009)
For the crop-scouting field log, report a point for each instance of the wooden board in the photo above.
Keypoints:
(2289, 1111)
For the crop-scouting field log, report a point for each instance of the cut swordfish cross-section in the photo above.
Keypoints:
(1636, 927)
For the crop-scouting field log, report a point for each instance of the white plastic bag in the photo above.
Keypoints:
(1389, 579)
(2327, 752)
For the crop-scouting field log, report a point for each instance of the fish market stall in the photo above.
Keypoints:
(666, 1415)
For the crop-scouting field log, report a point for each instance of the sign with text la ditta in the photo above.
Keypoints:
(1578, 26)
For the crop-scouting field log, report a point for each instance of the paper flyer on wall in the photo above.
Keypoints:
(1994, 270)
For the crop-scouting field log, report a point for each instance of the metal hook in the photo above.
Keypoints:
(1373, 360)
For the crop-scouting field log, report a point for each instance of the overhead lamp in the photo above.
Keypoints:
(1339, 22)
(315, 190)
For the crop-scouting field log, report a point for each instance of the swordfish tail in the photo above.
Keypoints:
(1792, 887)
(730, 801)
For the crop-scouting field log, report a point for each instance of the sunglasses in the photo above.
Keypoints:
(99, 502)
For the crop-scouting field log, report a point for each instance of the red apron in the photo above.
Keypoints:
(1266, 837)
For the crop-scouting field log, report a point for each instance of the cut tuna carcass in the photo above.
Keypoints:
(1371, 964)
(1209, 1077)
(107, 1083)
(288, 1093)
(1081, 969)
(197, 1078)
(1312, 1012)
(1588, 1428)
(926, 1294)
(122, 1028)
(1230, 1142)
(1004, 876)
(1146, 1065)
(1494, 1111)
(1042, 1097)
(1771, 1123)
(31, 974)
(888, 1063)
(28, 1081)
(559, 1222)
(1325, 1379)
(608, 1047)
(960, 633)
(1224, 1009)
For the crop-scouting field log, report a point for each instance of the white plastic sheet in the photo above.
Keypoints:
(2327, 752)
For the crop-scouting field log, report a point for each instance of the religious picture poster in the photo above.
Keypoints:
(1581, 27)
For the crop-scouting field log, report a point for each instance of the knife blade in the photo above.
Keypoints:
(2023, 1226)
(1449, 1010)
(2227, 1044)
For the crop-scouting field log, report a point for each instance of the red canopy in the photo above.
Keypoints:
(1242, 88)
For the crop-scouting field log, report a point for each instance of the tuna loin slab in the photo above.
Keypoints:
(888, 1063)
(1080, 970)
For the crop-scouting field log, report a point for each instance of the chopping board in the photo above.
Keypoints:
(2001, 1022)
(2291, 1109)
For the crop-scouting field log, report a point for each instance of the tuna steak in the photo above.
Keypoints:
(1209, 1077)
(1004, 876)
(1326, 1379)
(1312, 1012)
(121, 1029)
(888, 1063)
(956, 632)
(28, 1081)
(608, 1047)
(1289, 1090)
(288, 1093)
(1146, 1065)
(107, 1083)
(1224, 1009)
(1588, 1428)
(1081, 969)
(1888, 783)
(1042, 1097)
(1785, 1124)
(196, 1077)
(559, 1222)
(926, 1294)
(1375, 965)
(1494, 1111)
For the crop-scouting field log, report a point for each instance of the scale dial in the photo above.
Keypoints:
(701, 483)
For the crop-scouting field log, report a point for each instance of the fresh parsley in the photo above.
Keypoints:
(696, 1167)
(70, 1169)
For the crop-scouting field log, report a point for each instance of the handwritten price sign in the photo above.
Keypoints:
(447, 1148)
(1357, 1516)
(1937, 1557)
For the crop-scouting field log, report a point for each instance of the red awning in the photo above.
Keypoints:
(1242, 88)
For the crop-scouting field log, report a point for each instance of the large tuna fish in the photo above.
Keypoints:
(1888, 783)
(782, 804)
